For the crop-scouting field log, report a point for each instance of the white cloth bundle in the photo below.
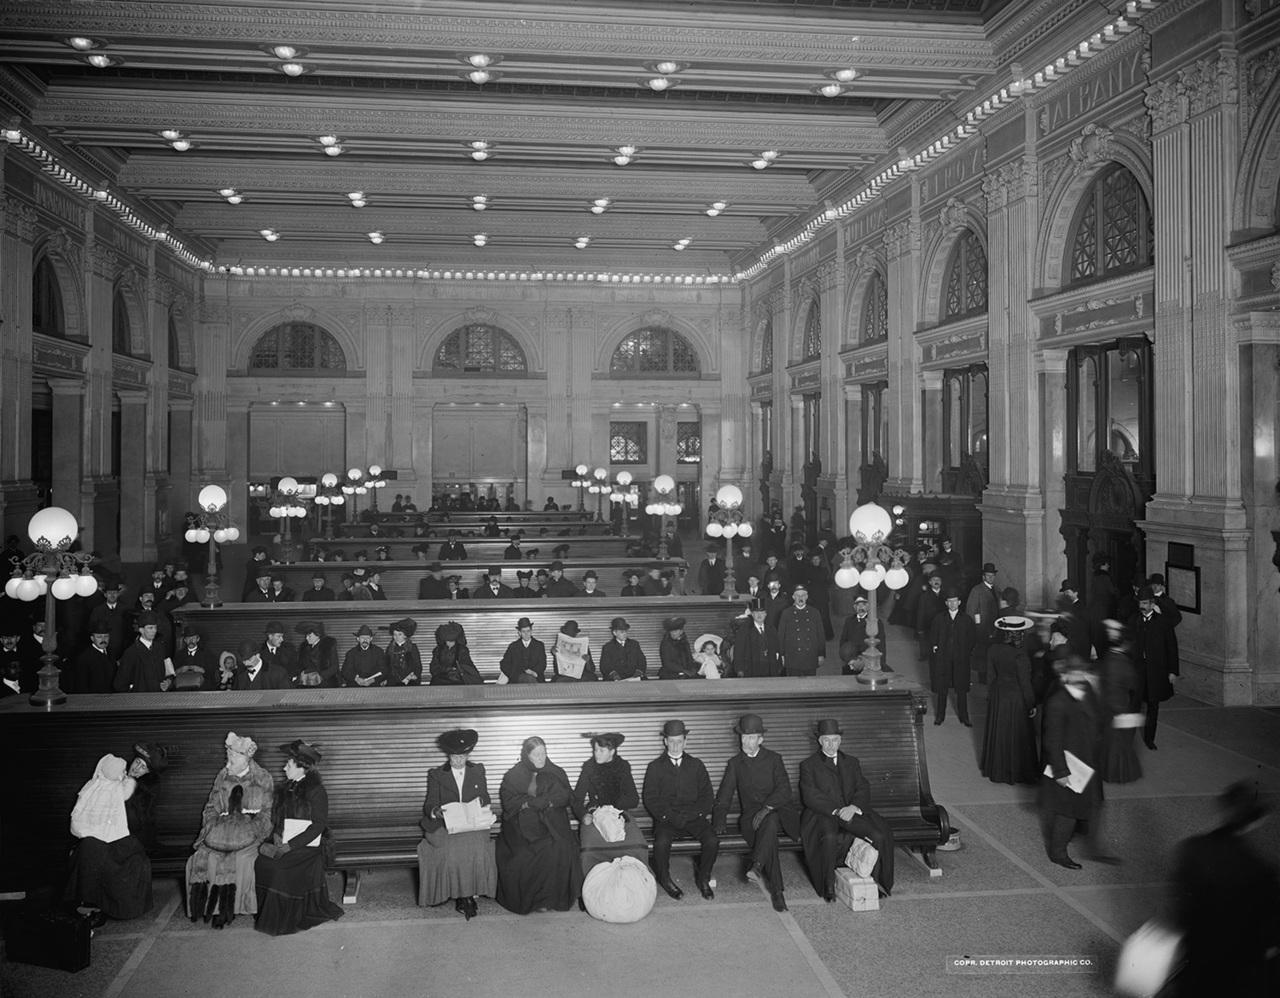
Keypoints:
(99, 810)
(609, 823)
(621, 891)
(862, 857)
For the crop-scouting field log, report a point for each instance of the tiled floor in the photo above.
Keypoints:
(998, 896)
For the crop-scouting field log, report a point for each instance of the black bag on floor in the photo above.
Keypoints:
(54, 939)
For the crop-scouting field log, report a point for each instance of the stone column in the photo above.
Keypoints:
(1051, 372)
(236, 473)
(17, 233)
(902, 245)
(133, 456)
(852, 395)
(182, 493)
(68, 448)
(666, 463)
(402, 345)
(931, 452)
(522, 455)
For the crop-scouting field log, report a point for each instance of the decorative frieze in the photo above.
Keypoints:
(181, 384)
(963, 344)
(1105, 78)
(1093, 147)
(870, 366)
(902, 237)
(761, 388)
(20, 219)
(1259, 74)
(129, 372)
(1099, 313)
(806, 379)
(52, 356)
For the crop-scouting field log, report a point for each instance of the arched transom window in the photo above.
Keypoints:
(297, 346)
(654, 350)
(1113, 231)
(875, 311)
(966, 278)
(479, 348)
(811, 347)
(47, 316)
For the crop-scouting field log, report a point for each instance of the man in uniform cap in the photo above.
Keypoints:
(800, 631)
(493, 587)
(144, 667)
(621, 658)
(254, 673)
(678, 795)
(525, 660)
(836, 797)
(765, 806)
(951, 639)
(366, 663)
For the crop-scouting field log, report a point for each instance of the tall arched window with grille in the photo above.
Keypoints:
(47, 316)
(654, 351)
(121, 333)
(1113, 231)
(811, 345)
(966, 287)
(875, 311)
(479, 348)
(297, 347)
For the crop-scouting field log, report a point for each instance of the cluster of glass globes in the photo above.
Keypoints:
(598, 483)
(620, 493)
(871, 525)
(330, 481)
(664, 485)
(358, 485)
(287, 489)
(52, 522)
(729, 499)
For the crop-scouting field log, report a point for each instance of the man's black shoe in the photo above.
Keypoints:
(756, 874)
(670, 887)
(1069, 863)
(706, 890)
(1150, 743)
(779, 902)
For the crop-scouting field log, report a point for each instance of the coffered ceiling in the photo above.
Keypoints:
(692, 93)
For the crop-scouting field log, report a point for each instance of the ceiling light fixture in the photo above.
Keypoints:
(829, 90)
(481, 76)
(333, 150)
(270, 235)
(82, 43)
(480, 150)
(480, 202)
(294, 68)
(357, 199)
(287, 52)
(765, 160)
(666, 68)
(376, 238)
(716, 208)
(481, 60)
(660, 83)
(582, 242)
(98, 61)
(599, 205)
(625, 154)
(843, 75)
(480, 238)
(234, 199)
(682, 243)
(181, 145)
(327, 140)
(170, 134)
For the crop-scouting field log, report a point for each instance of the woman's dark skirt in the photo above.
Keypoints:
(292, 893)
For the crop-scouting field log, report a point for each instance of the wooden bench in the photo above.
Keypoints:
(480, 550)
(379, 744)
(474, 518)
(490, 624)
(400, 578)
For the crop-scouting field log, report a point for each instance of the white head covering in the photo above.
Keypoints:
(99, 811)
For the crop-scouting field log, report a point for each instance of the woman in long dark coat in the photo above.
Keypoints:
(537, 851)
(404, 664)
(451, 663)
(1009, 740)
(1121, 698)
(606, 781)
(458, 864)
(292, 893)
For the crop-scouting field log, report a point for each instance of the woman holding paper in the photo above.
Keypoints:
(602, 800)
(455, 859)
(537, 851)
(292, 893)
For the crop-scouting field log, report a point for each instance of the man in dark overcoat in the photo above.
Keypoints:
(620, 657)
(493, 587)
(145, 667)
(951, 639)
(804, 641)
(775, 600)
(525, 660)
(765, 806)
(756, 649)
(254, 673)
(677, 794)
(929, 604)
(836, 798)
(432, 586)
(93, 670)
(1074, 722)
(1155, 657)
(983, 607)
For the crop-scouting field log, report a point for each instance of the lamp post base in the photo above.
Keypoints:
(212, 592)
(49, 692)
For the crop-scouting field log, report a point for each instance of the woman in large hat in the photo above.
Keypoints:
(292, 893)
(603, 801)
(1009, 740)
(675, 653)
(451, 663)
(404, 663)
(537, 852)
(456, 864)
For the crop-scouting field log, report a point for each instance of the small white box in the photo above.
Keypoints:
(859, 893)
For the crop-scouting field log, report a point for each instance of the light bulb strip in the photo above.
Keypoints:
(433, 274)
(1003, 98)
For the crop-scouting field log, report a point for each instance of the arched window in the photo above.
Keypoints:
(175, 350)
(966, 278)
(811, 347)
(297, 346)
(47, 316)
(1113, 231)
(654, 350)
(480, 349)
(766, 348)
(121, 334)
(875, 311)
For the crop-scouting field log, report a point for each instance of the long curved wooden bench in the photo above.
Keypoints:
(400, 578)
(379, 744)
(508, 525)
(490, 624)
(481, 550)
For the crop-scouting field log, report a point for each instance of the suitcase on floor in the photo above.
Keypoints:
(48, 939)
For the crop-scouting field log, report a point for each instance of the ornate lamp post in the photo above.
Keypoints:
(374, 482)
(287, 506)
(580, 483)
(599, 488)
(56, 574)
(728, 521)
(354, 486)
(664, 506)
(876, 562)
(627, 497)
(328, 496)
(213, 527)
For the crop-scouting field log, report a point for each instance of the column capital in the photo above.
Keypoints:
(66, 386)
(131, 396)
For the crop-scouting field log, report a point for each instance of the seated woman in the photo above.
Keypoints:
(110, 871)
(220, 873)
(451, 663)
(537, 851)
(404, 664)
(455, 862)
(602, 800)
(292, 893)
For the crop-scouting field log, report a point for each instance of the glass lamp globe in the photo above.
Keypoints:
(355, 474)
(233, 534)
(581, 470)
(375, 470)
(328, 479)
(730, 496)
(202, 536)
(288, 485)
(664, 483)
(274, 512)
(29, 590)
(86, 584)
(896, 578)
(869, 520)
(745, 529)
(11, 587)
(212, 498)
(870, 579)
(220, 536)
(338, 500)
(651, 509)
(52, 528)
(64, 587)
(600, 474)
(715, 530)
(846, 577)
(322, 500)
(730, 530)
(674, 509)
(624, 478)
(190, 536)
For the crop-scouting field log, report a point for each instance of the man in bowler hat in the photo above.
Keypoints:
(765, 805)
(525, 660)
(677, 793)
(836, 797)
(983, 607)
